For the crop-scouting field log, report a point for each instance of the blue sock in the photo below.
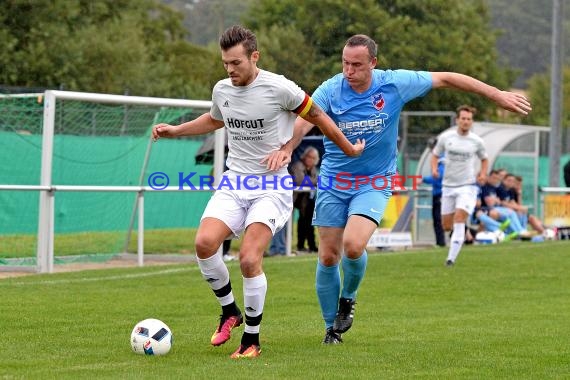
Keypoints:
(353, 270)
(328, 288)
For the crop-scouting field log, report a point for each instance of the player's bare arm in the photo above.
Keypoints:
(482, 177)
(433, 162)
(303, 124)
(317, 117)
(510, 101)
(201, 125)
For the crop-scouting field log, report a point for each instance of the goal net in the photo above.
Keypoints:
(98, 141)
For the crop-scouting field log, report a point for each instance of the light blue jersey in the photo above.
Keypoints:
(373, 115)
(361, 185)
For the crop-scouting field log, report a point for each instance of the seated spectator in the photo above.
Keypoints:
(490, 200)
(513, 188)
(488, 218)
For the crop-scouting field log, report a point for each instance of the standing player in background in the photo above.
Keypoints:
(459, 192)
(366, 103)
(259, 109)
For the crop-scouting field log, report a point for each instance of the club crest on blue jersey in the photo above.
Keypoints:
(378, 101)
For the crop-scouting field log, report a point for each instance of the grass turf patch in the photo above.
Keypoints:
(501, 311)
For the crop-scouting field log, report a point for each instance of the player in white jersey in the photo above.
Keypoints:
(462, 148)
(258, 109)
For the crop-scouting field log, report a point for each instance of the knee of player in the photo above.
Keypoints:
(460, 219)
(353, 249)
(205, 245)
(250, 262)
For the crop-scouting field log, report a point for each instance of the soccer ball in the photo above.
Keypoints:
(486, 237)
(151, 337)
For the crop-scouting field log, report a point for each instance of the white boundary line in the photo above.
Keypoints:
(8, 282)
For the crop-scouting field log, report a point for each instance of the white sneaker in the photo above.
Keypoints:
(228, 257)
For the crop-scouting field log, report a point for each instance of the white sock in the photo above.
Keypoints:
(254, 290)
(217, 276)
(457, 238)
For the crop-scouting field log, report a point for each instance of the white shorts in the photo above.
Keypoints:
(240, 208)
(463, 197)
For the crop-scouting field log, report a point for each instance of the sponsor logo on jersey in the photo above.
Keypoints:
(249, 124)
(455, 155)
(361, 123)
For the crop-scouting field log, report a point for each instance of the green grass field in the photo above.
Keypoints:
(169, 240)
(502, 312)
(180, 240)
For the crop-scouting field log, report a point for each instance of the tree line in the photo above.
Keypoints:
(141, 47)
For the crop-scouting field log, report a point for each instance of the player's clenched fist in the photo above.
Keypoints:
(162, 130)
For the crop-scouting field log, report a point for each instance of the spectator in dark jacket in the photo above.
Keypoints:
(305, 174)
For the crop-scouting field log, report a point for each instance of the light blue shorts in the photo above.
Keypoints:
(333, 207)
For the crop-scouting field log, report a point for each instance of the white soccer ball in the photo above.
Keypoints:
(486, 237)
(151, 337)
(549, 234)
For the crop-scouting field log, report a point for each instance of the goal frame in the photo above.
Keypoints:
(47, 189)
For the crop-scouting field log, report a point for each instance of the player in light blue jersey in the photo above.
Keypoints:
(366, 104)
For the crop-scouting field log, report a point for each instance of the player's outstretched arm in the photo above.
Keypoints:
(317, 117)
(510, 101)
(199, 126)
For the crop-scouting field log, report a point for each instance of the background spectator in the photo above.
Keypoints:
(305, 174)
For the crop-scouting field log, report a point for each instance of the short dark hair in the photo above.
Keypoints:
(466, 108)
(364, 40)
(494, 171)
(236, 35)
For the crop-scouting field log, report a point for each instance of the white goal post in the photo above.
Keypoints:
(47, 189)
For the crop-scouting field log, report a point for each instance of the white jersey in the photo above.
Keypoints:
(258, 118)
(461, 154)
